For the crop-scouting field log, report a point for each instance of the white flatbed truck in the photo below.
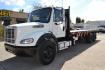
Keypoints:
(46, 32)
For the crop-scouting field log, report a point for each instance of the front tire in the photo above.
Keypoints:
(46, 51)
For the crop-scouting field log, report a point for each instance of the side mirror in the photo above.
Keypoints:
(56, 23)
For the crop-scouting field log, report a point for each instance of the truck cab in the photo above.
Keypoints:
(40, 22)
(53, 18)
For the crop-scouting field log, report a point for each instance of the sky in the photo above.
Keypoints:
(89, 10)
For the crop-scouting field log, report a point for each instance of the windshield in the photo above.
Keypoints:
(40, 15)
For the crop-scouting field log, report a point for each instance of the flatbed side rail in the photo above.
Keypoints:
(73, 31)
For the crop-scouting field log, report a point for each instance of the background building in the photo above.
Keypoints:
(12, 17)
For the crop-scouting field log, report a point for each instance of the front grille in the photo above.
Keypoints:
(10, 35)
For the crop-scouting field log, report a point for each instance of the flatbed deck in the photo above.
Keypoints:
(89, 30)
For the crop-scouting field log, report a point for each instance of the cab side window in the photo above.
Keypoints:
(58, 15)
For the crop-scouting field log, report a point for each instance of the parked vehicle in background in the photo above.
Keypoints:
(101, 28)
(99, 24)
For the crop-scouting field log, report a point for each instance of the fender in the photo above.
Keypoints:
(47, 35)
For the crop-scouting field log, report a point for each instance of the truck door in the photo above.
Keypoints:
(58, 23)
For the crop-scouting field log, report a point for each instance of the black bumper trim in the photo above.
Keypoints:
(19, 46)
(20, 50)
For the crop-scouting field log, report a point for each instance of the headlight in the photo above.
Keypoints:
(27, 41)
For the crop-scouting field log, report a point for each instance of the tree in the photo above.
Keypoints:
(37, 6)
(21, 10)
(82, 20)
(78, 20)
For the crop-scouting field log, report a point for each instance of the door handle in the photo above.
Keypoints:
(56, 23)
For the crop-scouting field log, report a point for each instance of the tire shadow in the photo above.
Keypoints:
(28, 63)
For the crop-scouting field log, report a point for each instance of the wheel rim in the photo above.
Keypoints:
(48, 53)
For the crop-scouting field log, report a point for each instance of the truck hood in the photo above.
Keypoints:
(27, 24)
(29, 27)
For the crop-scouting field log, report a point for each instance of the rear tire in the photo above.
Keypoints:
(90, 38)
(46, 51)
(94, 37)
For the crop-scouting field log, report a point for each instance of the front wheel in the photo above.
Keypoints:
(46, 51)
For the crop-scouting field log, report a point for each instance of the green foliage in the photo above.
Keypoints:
(1, 31)
(83, 21)
(21, 10)
(78, 20)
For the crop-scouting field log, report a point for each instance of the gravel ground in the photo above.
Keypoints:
(80, 57)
